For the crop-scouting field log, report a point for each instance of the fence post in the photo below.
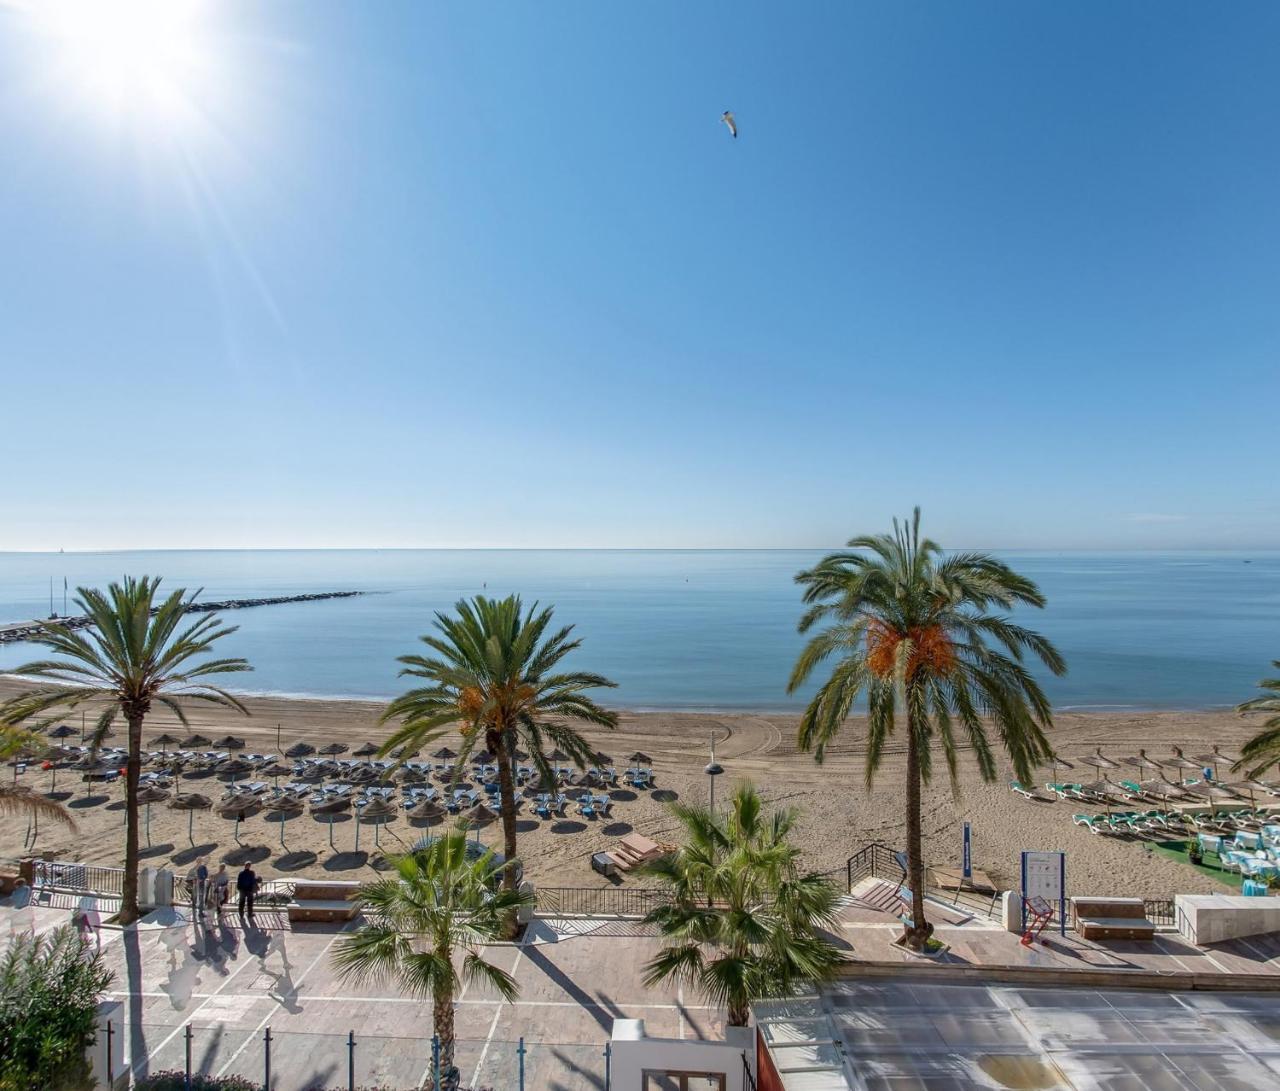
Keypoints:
(435, 1061)
(520, 1053)
(351, 1060)
(111, 1072)
(266, 1059)
(607, 1054)
(187, 1034)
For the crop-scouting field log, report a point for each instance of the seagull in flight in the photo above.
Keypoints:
(727, 118)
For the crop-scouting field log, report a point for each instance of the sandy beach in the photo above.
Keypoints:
(838, 814)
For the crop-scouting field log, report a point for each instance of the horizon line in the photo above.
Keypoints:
(619, 549)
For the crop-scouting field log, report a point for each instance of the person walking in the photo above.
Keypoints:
(247, 886)
(202, 885)
(221, 892)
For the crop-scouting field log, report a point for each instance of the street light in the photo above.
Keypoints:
(713, 769)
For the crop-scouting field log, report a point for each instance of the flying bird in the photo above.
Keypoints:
(727, 118)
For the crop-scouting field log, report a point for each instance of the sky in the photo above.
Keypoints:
(322, 274)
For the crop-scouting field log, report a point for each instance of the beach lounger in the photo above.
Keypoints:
(1022, 790)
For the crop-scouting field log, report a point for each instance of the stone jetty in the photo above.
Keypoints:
(17, 632)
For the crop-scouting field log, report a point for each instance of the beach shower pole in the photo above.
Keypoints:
(713, 770)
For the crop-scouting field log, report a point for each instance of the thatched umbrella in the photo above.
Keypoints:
(334, 748)
(519, 754)
(328, 808)
(300, 750)
(1163, 789)
(367, 750)
(428, 810)
(238, 809)
(275, 770)
(195, 740)
(1215, 759)
(445, 754)
(475, 818)
(405, 752)
(62, 731)
(640, 758)
(234, 767)
(601, 758)
(411, 776)
(286, 807)
(483, 757)
(1098, 761)
(1213, 794)
(191, 802)
(1181, 761)
(165, 741)
(230, 742)
(378, 811)
(557, 755)
(1144, 763)
(150, 794)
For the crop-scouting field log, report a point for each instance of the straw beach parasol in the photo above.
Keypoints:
(367, 750)
(300, 750)
(285, 807)
(328, 808)
(164, 741)
(1215, 759)
(445, 754)
(150, 794)
(333, 749)
(1098, 761)
(230, 742)
(1181, 761)
(191, 802)
(195, 740)
(475, 818)
(378, 811)
(427, 811)
(62, 731)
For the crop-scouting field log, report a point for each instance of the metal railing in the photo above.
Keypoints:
(79, 878)
(271, 892)
(874, 860)
(572, 901)
(1159, 911)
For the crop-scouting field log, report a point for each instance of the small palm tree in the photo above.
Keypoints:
(436, 905)
(19, 801)
(135, 654)
(744, 921)
(496, 677)
(1263, 751)
(914, 631)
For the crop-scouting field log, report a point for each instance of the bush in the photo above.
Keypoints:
(50, 986)
(174, 1080)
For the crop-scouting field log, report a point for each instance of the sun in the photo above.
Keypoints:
(127, 58)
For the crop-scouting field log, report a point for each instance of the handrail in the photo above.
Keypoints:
(621, 901)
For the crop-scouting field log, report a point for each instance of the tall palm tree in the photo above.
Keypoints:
(135, 654)
(1263, 751)
(436, 904)
(18, 801)
(915, 632)
(744, 921)
(495, 677)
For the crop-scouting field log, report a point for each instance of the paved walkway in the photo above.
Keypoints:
(231, 983)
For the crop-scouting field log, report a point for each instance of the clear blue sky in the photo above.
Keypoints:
(411, 274)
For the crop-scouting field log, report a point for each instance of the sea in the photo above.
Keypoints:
(687, 629)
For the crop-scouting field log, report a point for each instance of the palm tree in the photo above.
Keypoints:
(436, 904)
(19, 801)
(494, 677)
(1263, 750)
(134, 655)
(744, 921)
(915, 631)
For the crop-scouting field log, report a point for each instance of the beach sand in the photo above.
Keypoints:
(838, 814)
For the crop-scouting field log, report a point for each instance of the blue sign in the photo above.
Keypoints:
(966, 860)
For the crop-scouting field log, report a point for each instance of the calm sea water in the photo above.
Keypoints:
(693, 629)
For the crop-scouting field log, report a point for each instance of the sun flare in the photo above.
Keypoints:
(128, 58)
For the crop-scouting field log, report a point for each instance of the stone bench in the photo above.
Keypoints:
(316, 900)
(1112, 918)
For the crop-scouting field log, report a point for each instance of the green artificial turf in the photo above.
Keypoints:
(1177, 850)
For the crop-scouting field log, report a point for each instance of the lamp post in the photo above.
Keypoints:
(713, 769)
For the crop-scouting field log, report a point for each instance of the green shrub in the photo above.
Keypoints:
(50, 986)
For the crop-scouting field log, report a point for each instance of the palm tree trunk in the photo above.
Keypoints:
(132, 771)
(507, 802)
(914, 937)
(442, 1020)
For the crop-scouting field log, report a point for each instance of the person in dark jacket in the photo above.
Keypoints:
(247, 886)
